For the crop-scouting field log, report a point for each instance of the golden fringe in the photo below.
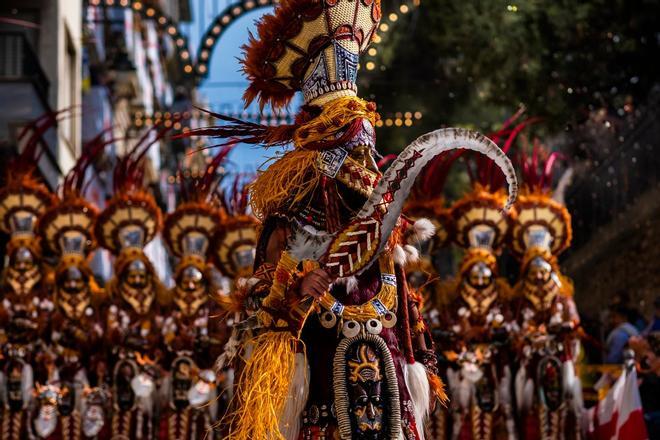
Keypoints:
(334, 117)
(438, 388)
(287, 182)
(293, 177)
(263, 388)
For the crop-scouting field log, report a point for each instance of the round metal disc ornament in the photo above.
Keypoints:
(374, 326)
(350, 329)
(328, 319)
(388, 320)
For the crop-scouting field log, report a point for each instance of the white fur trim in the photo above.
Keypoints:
(505, 387)
(412, 253)
(423, 229)
(297, 399)
(351, 283)
(419, 388)
(399, 255)
(519, 386)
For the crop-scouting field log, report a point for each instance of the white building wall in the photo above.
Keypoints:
(60, 52)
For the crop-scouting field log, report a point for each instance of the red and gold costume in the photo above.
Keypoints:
(130, 220)
(76, 324)
(548, 392)
(194, 331)
(24, 305)
(476, 320)
(348, 363)
(427, 202)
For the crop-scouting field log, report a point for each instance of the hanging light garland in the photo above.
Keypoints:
(164, 24)
(387, 23)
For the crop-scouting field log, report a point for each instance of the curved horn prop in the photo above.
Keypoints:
(352, 250)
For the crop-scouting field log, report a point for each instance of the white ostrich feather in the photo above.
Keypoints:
(419, 388)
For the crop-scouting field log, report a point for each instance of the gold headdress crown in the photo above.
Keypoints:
(24, 199)
(66, 228)
(129, 221)
(478, 219)
(188, 230)
(541, 222)
(22, 202)
(132, 218)
(235, 241)
(311, 46)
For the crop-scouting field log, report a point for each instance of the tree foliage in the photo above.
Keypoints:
(474, 62)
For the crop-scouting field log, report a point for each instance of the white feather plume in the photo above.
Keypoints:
(296, 400)
(528, 395)
(399, 255)
(412, 254)
(423, 229)
(419, 388)
(519, 386)
(505, 387)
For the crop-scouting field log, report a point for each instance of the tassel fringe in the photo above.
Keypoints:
(263, 388)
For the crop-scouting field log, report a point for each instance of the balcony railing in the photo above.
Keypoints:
(18, 62)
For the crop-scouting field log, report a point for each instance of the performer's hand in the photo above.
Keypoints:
(315, 283)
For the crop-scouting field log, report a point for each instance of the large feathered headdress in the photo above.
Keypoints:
(24, 198)
(311, 46)
(189, 229)
(131, 218)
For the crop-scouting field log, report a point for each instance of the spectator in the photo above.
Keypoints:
(654, 326)
(647, 351)
(633, 315)
(621, 332)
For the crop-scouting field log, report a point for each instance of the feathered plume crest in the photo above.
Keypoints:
(314, 128)
(73, 212)
(482, 171)
(537, 168)
(129, 195)
(128, 175)
(21, 176)
(73, 184)
(201, 188)
(32, 134)
(235, 202)
(199, 212)
(268, 46)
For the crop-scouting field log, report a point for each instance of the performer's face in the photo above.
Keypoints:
(137, 276)
(191, 280)
(363, 155)
(480, 275)
(539, 271)
(191, 292)
(23, 260)
(73, 281)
